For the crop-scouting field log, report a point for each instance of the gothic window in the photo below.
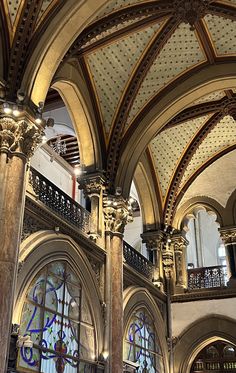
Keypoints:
(141, 343)
(218, 357)
(56, 315)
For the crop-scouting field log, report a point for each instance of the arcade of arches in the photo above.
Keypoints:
(117, 186)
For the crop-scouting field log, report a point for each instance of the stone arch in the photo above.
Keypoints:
(43, 247)
(136, 297)
(199, 335)
(230, 210)
(186, 211)
(205, 81)
(54, 43)
(71, 87)
(147, 196)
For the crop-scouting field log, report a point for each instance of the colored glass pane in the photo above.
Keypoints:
(141, 343)
(51, 316)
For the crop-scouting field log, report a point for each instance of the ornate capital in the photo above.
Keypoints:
(19, 136)
(228, 235)
(154, 240)
(117, 213)
(178, 242)
(191, 11)
(92, 184)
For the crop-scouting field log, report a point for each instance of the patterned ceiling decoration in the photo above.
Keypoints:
(113, 29)
(222, 136)
(231, 2)
(181, 52)
(118, 4)
(223, 34)
(168, 147)
(214, 96)
(12, 7)
(112, 66)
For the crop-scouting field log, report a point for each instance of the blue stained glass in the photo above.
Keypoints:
(51, 316)
(141, 344)
(54, 294)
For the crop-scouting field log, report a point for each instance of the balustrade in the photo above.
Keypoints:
(207, 277)
(59, 202)
(137, 261)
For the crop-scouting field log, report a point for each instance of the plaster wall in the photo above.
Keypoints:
(184, 314)
(53, 171)
(133, 231)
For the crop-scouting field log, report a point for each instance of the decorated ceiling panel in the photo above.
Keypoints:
(223, 33)
(215, 96)
(168, 146)
(113, 29)
(220, 137)
(112, 66)
(181, 52)
(12, 7)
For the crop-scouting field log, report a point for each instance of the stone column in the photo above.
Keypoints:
(228, 235)
(179, 244)
(154, 241)
(18, 139)
(93, 185)
(116, 214)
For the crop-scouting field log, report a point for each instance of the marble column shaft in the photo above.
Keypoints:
(17, 142)
(116, 215)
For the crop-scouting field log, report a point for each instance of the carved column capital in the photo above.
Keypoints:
(117, 213)
(92, 184)
(228, 235)
(154, 240)
(19, 136)
(179, 242)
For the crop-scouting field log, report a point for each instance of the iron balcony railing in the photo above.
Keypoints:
(137, 261)
(59, 202)
(207, 277)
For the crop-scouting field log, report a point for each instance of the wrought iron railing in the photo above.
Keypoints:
(137, 261)
(207, 277)
(59, 202)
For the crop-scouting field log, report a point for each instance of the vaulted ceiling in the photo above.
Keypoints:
(132, 54)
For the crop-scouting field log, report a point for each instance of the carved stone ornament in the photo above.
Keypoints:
(153, 240)
(92, 184)
(228, 235)
(19, 136)
(117, 213)
(191, 11)
(168, 262)
(179, 243)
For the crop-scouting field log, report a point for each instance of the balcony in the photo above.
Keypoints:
(207, 277)
(59, 202)
(137, 261)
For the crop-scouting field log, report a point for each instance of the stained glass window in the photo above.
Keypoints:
(56, 315)
(141, 343)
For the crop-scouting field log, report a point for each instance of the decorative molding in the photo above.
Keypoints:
(20, 137)
(30, 226)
